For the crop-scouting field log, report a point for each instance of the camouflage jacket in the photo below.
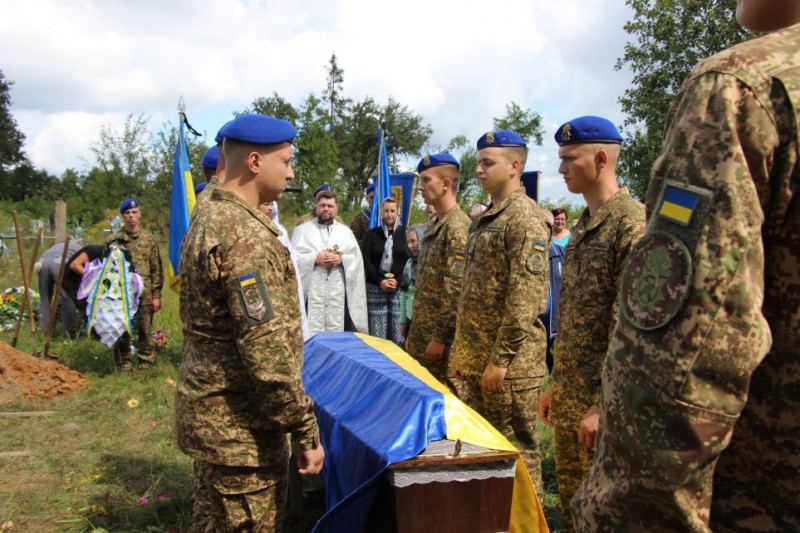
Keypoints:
(504, 290)
(203, 197)
(440, 269)
(709, 293)
(240, 388)
(360, 226)
(146, 260)
(594, 257)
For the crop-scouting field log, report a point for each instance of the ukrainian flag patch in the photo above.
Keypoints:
(539, 246)
(460, 256)
(247, 279)
(678, 205)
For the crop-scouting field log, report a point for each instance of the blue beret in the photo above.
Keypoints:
(218, 138)
(259, 129)
(437, 160)
(323, 187)
(370, 188)
(588, 130)
(130, 203)
(200, 187)
(500, 138)
(211, 157)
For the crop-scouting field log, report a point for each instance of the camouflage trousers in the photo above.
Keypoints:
(573, 462)
(439, 369)
(244, 499)
(513, 413)
(143, 327)
(201, 506)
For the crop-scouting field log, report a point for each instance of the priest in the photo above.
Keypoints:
(331, 271)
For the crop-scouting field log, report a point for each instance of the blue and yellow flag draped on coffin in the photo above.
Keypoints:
(376, 406)
(180, 206)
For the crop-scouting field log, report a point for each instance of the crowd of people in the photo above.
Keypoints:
(672, 328)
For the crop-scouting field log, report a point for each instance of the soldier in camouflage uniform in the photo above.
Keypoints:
(217, 179)
(360, 223)
(500, 343)
(146, 260)
(441, 266)
(702, 377)
(240, 389)
(599, 244)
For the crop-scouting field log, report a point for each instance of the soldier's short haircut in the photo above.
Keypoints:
(518, 152)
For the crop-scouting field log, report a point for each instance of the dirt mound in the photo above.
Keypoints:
(25, 376)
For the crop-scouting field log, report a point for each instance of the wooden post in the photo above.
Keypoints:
(60, 211)
(27, 274)
(56, 298)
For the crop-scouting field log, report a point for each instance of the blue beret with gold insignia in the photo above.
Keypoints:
(259, 129)
(211, 157)
(501, 138)
(437, 160)
(588, 129)
(323, 187)
(130, 203)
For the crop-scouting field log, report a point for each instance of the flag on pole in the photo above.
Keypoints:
(383, 187)
(181, 205)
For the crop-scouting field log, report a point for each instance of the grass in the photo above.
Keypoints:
(99, 465)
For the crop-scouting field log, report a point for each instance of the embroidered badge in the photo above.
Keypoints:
(536, 261)
(539, 246)
(459, 256)
(254, 298)
(566, 133)
(656, 281)
(678, 205)
(426, 161)
(490, 137)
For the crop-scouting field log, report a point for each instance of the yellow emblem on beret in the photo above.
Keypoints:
(133, 204)
(490, 137)
(426, 160)
(566, 133)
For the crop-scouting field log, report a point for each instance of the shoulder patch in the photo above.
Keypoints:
(537, 260)
(682, 210)
(255, 300)
(656, 281)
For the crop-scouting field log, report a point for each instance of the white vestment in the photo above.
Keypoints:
(327, 291)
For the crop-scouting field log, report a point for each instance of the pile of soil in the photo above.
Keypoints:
(25, 376)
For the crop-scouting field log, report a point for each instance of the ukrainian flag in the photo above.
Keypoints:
(377, 406)
(678, 205)
(181, 205)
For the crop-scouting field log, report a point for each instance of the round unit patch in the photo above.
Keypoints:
(656, 281)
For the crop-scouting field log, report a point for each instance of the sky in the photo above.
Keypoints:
(79, 65)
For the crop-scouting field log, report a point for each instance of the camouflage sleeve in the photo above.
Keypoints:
(629, 231)
(156, 272)
(679, 364)
(526, 241)
(264, 308)
(444, 330)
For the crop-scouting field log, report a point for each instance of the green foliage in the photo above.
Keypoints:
(669, 38)
(574, 211)
(11, 138)
(527, 123)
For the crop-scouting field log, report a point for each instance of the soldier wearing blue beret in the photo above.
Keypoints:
(217, 176)
(610, 225)
(500, 343)
(242, 353)
(209, 162)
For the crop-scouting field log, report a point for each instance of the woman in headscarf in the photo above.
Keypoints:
(385, 255)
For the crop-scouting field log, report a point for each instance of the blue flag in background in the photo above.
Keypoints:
(180, 207)
(383, 187)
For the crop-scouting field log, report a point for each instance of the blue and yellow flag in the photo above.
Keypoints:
(375, 406)
(180, 206)
(383, 186)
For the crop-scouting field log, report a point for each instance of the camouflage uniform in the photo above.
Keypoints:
(438, 286)
(360, 226)
(146, 260)
(202, 198)
(240, 389)
(504, 290)
(711, 306)
(597, 249)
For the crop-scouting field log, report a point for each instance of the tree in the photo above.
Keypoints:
(525, 122)
(11, 139)
(273, 106)
(125, 158)
(333, 97)
(670, 37)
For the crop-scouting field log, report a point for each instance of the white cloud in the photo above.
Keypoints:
(78, 65)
